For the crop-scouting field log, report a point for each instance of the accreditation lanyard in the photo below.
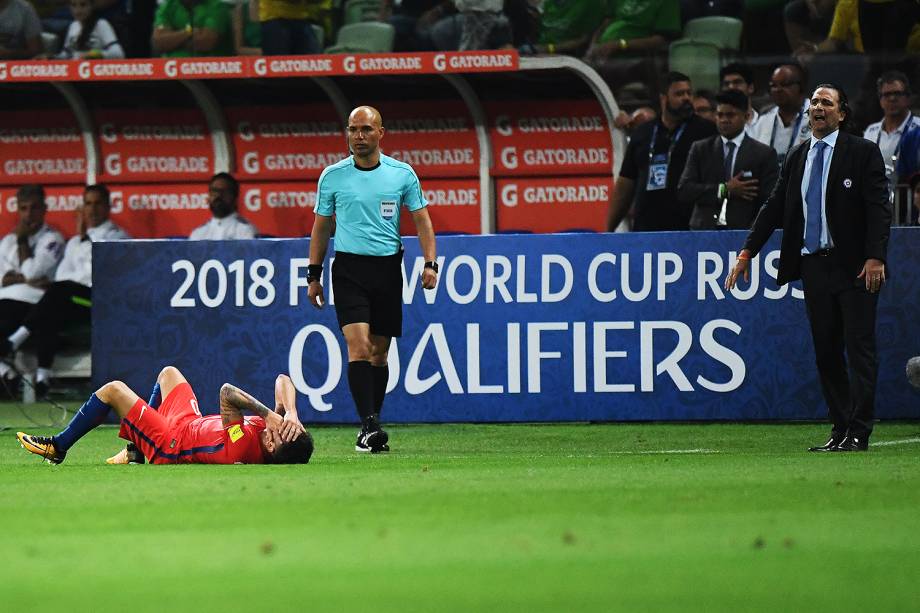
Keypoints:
(795, 129)
(894, 156)
(658, 164)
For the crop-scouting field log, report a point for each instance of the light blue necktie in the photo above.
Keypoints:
(813, 199)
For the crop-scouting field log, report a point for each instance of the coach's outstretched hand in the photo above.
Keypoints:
(741, 267)
(315, 293)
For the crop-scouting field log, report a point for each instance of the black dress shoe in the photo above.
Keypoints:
(830, 445)
(854, 443)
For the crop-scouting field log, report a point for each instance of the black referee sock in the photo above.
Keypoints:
(361, 383)
(381, 376)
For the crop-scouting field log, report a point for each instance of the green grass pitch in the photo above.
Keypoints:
(475, 518)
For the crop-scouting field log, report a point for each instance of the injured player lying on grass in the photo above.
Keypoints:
(170, 429)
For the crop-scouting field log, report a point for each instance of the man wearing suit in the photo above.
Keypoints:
(727, 176)
(832, 203)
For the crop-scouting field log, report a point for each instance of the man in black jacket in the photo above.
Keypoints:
(832, 203)
(654, 161)
(727, 176)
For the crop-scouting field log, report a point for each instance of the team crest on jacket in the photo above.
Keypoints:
(848, 183)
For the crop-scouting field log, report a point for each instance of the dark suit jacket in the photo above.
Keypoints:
(704, 171)
(857, 207)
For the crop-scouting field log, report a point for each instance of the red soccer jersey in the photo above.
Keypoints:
(206, 441)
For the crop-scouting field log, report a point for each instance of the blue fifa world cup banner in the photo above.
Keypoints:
(568, 327)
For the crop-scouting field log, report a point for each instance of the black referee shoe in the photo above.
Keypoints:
(373, 441)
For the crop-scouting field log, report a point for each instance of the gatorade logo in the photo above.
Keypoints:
(349, 63)
(260, 66)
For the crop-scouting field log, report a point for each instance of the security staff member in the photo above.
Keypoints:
(365, 192)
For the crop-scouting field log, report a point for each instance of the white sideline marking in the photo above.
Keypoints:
(668, 451)
(903, 441)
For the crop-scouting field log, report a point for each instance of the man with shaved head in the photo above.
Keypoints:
(365, 192)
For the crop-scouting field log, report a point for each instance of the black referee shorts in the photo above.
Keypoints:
(368, 289)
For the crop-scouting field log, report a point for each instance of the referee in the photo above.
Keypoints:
(365, 192)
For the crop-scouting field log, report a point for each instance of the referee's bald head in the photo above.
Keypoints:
(366, 113)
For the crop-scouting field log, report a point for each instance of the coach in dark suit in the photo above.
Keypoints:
(727, 176)
(832, 203)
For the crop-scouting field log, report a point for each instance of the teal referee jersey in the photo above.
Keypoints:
(366, 203)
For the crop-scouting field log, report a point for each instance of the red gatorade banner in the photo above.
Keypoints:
(549, 138)
(41, 147)
(160, 210)
(155, 146)
(252, 67)
(286, 142)
(437, 140)
(452, 205)
(63, 201)
(553, 205)
(284, 210)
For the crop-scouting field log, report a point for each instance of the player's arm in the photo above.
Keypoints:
(286, 404)
(233, 401)
(319, 242)
(426, 239)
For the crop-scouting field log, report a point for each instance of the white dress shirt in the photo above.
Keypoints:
(888, 142)
(770, 130)
(77, 265)
(47, 247)
(826, 241)
(227, 228)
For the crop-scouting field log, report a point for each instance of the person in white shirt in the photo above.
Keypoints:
(226, 224)
(66, 300)
(785, 125)
(894, 97)
(29, 255)
(89, 35)
(740, 77)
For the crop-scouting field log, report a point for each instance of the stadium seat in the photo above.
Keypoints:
(698, 60)
(50, 43)
(320, 34)
(723, 32)
(356, 11)
(365, 37)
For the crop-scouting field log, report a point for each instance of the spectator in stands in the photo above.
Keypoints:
(693, 9)
(630, 121)
(477, 24)
(635, 27)
(225, 223)
(66, 301)
(286, 28)
(728, 176)
(807, 22)
(89, 35)
(704, 104)
(412, 19)
(654, 160)
(741, 77)
(785, 125)
(20, 30)
(29, 255)
(893, 90)
(877, 25)
(244, 23)
(184, 28)
(566, 27)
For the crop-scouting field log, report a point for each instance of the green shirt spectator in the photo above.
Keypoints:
(569, 24)
(185, 28)
(641, 19)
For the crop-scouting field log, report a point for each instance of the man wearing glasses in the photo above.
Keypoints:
(894, 98)
(785, 125)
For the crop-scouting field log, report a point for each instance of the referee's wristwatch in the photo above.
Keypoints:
(432, 265)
